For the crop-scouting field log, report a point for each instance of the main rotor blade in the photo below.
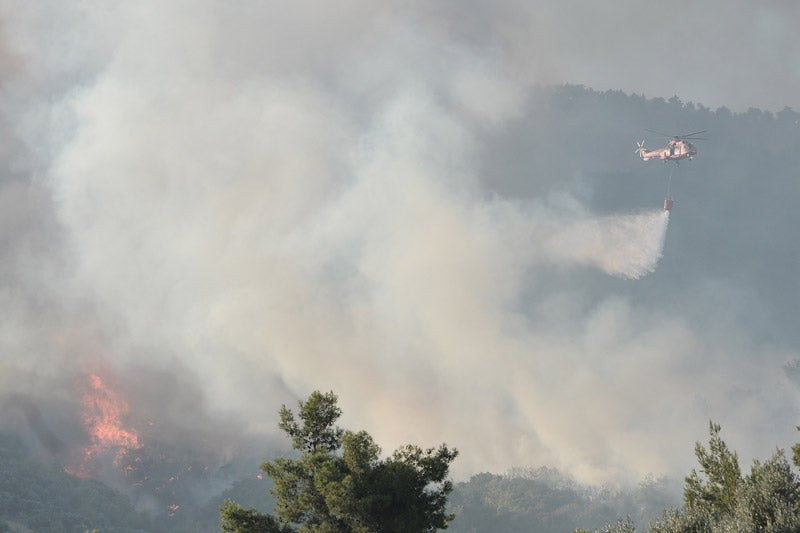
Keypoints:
(658, 133)
(690, 134)
(695, 139)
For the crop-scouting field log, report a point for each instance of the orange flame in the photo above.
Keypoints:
(103, 410)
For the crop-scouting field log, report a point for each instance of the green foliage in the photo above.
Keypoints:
(317, 433)
(796, 447)
(408, 491)
(685, 521)
(236, 519)
(622, 526)
(716, 488)
(340, 484)
(767, 500)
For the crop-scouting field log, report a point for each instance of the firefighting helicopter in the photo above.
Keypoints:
(679, 147)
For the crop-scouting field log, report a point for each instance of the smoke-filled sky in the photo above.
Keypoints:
(260, 199)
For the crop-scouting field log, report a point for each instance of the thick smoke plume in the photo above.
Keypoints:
(229, 216)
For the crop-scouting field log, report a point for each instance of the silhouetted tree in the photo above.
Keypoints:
(340, 483)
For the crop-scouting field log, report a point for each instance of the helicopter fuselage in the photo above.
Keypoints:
(675, 150)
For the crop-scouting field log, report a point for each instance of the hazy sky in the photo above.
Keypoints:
(739, 54)
(266, 198)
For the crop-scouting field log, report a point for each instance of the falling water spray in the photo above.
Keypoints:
(628, 246)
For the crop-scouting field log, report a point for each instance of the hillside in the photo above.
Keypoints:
(43, 498)
(544, 501)
(731, 236)
(36, 497)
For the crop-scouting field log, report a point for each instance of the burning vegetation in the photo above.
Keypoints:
(103, 410)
